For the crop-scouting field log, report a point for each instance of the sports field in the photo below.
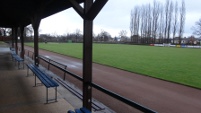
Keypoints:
(181, 65)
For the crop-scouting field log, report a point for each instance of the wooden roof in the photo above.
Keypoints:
(14, 13)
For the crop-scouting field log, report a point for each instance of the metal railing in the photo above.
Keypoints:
(108, 92)
(29, 54)
(56, 64)
(62, 69)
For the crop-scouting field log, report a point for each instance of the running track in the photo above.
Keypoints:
(159, 95)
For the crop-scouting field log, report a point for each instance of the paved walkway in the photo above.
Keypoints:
(159, 95)
(17, 94)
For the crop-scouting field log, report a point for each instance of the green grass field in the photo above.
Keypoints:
(181, 65)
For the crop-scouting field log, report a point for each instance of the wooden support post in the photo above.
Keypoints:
(22, 41)
(35, 27)
(95, 9)
(87, 58)
(13, 37)
(16, 40)
(88, 13)
(35, 24)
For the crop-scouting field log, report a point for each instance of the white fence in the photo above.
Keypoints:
(179, 46)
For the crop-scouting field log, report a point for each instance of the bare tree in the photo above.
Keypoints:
(197, 28)
(122, 35)
(169, 21)
(175, 21)
(166, 17)
(5, 31)
(157, 21)
(145, 18)
(77, 34)
(134, 24)
(161, 24)
(155, 14)
(182, 20)
(143, 12)
(28, 31)
(104, 36)
(137, 14)
(149, 27)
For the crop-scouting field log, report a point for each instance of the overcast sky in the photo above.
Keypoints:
(114, 17)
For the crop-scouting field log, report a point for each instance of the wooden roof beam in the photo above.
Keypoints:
(95, 9)
(77, 7)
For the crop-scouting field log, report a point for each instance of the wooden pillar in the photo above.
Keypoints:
(35, 24)
(16, 40)
(22, 41)
(87, 57)
(88, 13)
(35, 20)
(13, 37)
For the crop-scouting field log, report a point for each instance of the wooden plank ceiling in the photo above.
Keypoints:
(14, 13)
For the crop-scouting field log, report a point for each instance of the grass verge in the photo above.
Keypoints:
(180, 65)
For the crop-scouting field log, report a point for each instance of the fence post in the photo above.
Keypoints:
(48, 65)
(38, 59)
(32, 56)
(28, 53)
(65, 73)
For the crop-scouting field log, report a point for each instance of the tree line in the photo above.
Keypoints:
(76, 36)
(157, 23)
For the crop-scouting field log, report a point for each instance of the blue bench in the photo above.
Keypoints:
(12, 49)
(17, 59)
(13, 53)
(45, 79)
(81, 110)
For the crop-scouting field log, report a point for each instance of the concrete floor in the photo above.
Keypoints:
(17, 94)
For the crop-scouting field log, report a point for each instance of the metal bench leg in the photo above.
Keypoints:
(12, 57)
(55, 94)
(55, 99)
(18, 65)
(35, 80)
(27, 71)
(46, 95)
(15, 62)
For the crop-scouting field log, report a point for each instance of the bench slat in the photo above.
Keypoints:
(48, 79)
(45, 79)
(81, 110)
(17, 58)
(41, 76)
(85, 110)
